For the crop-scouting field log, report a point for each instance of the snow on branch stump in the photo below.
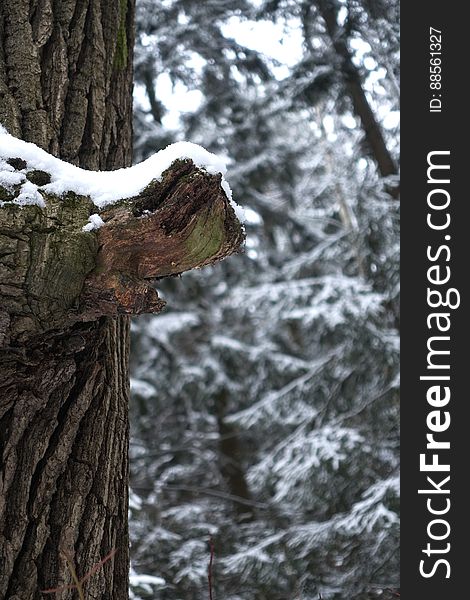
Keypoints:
(77, 245)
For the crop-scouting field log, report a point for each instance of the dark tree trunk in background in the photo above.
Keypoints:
(352, 77)
(230, 461)
(66, 85)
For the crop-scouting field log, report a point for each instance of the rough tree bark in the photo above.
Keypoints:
(66, 85)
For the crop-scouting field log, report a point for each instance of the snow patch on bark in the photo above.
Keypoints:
(29, 195)
(94, 222)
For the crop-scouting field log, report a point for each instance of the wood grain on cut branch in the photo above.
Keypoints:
(53, 273)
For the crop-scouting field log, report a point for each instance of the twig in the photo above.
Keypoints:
(94, 569)
(211, 492)
(73, 573)
(209, 570)
(78, 583)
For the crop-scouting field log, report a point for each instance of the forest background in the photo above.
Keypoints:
(265, 399)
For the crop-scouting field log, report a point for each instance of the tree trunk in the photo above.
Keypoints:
(372, 130)
(66, 85)
(64, 439)
(230, 462)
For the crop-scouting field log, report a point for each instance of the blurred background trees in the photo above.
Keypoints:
(265, 399)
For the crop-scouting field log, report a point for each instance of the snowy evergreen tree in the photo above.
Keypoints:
(265, 400)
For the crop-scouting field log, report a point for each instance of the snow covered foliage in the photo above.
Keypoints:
(265, 400)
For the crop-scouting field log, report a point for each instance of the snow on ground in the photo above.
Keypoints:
(103, 187)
